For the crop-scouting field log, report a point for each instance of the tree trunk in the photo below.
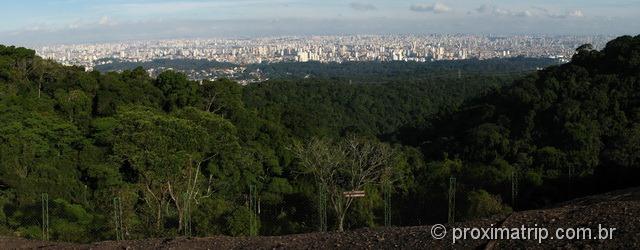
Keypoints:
(180, 217)
(159, 218)
(341, 223)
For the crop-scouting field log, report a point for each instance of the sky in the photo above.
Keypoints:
(41, 22)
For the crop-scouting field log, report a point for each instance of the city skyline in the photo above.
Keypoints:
(33, 22)
(237, 53)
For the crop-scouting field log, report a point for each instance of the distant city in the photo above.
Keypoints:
(421, 48)
(338, 49)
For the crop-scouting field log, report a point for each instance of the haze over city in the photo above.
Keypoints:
(73, 21)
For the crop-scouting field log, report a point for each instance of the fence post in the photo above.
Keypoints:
(452, 199)
(253, 206)
(187, 215)
(514, 188)
(117, 214)
(387, 205)
(45, 216)
(322, 207)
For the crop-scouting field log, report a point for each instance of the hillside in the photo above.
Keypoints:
(620, 210)
(85, 139)
(177, 157)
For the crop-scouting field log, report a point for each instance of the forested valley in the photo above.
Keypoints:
(127, 155)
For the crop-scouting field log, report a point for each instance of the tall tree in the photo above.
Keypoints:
(343, 166)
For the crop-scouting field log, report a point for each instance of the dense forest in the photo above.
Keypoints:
(170, 156)
(321, 107)
(354, 72)
(399, 70)
(109, 64)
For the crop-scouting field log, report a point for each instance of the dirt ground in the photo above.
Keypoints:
(619, 210)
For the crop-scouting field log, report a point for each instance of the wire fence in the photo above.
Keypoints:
(126, 217)
(55, 219)
(120, 217)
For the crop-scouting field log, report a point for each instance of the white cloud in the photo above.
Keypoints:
(105, 20)
(363, 6)
(483, 8)
(515, 13)
(435, 8)
(162, 8)
(532, 12)
(575, 13)
(567, 14)
(138, 8)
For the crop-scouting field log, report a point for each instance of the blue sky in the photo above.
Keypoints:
(71, 21)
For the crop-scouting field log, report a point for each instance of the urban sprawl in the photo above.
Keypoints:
(418, 48)
(324, 49)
